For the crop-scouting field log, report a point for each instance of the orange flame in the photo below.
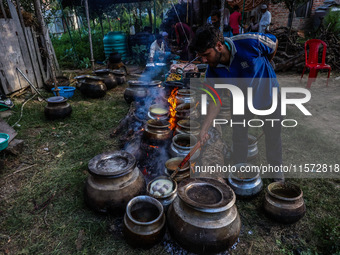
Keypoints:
(155, 147)
(173, 103)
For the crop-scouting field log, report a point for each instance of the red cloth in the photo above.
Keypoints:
(234, 22)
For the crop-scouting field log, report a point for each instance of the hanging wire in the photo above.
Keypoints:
(172, 2)
(22, 109)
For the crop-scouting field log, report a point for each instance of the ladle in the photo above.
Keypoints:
(181, 70)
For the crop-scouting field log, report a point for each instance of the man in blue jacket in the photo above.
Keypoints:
(239, 58)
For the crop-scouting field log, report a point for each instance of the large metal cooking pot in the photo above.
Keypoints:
(284, 202)
(186, 96)
(188, 127)
(91, 86)
(144, 222)
(138, 90)
(187, 111)
(114, 180)
(204, 218)
(245, 184)
(120, 76)
(109, 79)
(157, 130)
(57, 108)
(253, 149)
(182, 144)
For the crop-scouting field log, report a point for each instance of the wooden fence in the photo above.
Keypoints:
(20, 47)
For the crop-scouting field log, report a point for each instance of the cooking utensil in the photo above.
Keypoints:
(181, 70)
(187, 158)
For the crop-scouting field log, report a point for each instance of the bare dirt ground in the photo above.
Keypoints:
(324, 104)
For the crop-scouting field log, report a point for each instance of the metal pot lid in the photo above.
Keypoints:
(118, 72)
(159, 124)
(141, 83)
(90, 77)
(173, 84)
(206, 195)
(57, 99)
(186, 92)
(112, 164)
(102, 71)
(189, 124)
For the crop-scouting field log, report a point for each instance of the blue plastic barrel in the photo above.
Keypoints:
(115, 42)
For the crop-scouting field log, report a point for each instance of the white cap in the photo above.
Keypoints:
(263, 7)
(165, 34)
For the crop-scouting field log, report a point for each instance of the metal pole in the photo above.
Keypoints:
(154, 15)
(69, 32)
(244, 3)
(222, 16)
(89, 27)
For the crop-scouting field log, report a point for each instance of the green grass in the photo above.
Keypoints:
(62, 170)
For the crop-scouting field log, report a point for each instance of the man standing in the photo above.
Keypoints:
(184, 35)
(235, 20)
(265, 19)
(241, 57)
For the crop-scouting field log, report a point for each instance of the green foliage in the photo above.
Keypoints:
(140, 55)
(67, 55)
(332, 20)
(85, 63)
(328, 231)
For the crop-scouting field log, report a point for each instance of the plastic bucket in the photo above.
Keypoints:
(3, 141)
(66, 91)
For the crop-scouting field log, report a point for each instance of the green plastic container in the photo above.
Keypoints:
(3, 141)
(115, 42)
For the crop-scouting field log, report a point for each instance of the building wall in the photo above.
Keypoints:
(280, 15)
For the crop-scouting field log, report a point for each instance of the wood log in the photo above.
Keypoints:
(290, 62)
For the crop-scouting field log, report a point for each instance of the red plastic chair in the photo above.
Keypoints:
(312, 60)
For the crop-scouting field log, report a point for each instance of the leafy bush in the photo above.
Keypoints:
(332, 20)
(140, 55)
(69, 57)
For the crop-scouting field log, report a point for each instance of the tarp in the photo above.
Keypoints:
(249, 4)
(67, 3)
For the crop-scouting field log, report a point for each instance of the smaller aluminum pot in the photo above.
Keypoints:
(188, 127)
(144, 222)
(284, 202)
(57, 108)
(186, 96)
(245, 184)
(167, 199)
(182, 144)
(109, 79)
(171, 166)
